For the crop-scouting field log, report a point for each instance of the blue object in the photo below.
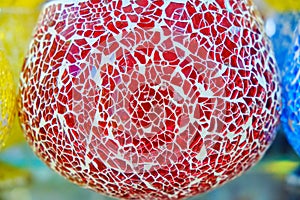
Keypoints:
(291, 93)
(280, 28)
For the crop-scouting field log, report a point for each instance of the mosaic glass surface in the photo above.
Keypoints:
(291, 99)
(7, 98)
(150, 99)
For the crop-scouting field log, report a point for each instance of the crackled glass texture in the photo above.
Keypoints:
(150, 99)
(291, 84)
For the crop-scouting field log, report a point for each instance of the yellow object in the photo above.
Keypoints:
(12, 177)
(16, 27)
(21, 3)
(286, 5)
(280, 168)
(7, 98)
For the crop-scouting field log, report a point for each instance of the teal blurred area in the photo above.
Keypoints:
(266, 181)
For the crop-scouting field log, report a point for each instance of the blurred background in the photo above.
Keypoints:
(24, 177)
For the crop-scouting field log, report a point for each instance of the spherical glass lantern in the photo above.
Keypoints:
(150, 99)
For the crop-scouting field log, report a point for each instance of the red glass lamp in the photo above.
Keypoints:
(150, 99)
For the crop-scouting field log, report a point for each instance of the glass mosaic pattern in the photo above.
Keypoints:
(150, 99)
